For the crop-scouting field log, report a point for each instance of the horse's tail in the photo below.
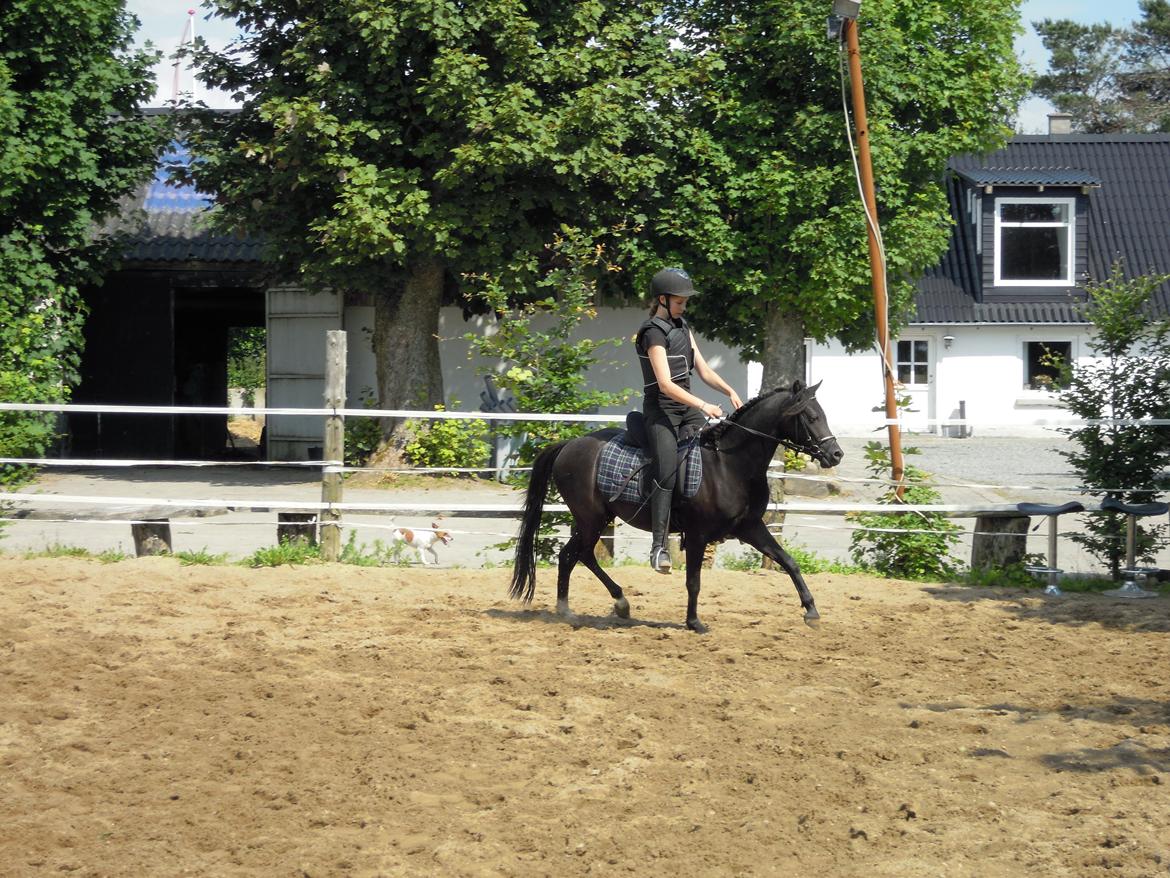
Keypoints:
(524, 569)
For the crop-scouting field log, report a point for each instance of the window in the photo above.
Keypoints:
(1035, 239)
(1042, 361)
(913, 361)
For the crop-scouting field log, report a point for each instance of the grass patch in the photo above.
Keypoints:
(807, 560)
(59, 550)
(291, 553)
(200, 557)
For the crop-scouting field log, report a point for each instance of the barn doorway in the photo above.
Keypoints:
(205, 322)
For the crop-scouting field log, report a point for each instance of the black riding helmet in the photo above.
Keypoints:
(671, 282)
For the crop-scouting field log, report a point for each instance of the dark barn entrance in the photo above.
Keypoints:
(152, 341)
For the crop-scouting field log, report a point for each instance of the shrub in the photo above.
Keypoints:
(1130, 380)
(453, 442)
(899, 544)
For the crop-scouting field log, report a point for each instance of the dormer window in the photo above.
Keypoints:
(1035, 241)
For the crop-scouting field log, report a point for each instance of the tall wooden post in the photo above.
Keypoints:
(877, 267)
(334, 442)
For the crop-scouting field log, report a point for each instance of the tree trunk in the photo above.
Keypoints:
(783, 361)
(406, 344)
(782, 353)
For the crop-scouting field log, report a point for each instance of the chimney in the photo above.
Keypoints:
(1059, 123)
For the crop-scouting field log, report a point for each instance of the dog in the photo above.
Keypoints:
(422, 541)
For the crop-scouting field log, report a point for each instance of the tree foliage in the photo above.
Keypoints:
(72, 143)
(764, 207)
(1110, 79)
(393, 148)
(543, 360)
(1129, 380)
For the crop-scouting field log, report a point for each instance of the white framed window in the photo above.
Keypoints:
(1035, 241)
(913, 361)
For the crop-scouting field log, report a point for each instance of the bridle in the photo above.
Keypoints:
(811, 445)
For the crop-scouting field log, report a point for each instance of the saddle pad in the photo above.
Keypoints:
(618, 460)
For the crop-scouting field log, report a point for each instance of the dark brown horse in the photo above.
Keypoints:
(731, 500)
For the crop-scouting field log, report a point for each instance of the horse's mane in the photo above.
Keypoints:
(714, 434)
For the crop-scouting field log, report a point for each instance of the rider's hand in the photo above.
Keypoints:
(736, 402)
(712, 411)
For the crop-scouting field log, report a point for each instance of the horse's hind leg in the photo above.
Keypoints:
(621, 606)
(567, 560)
(757, 535)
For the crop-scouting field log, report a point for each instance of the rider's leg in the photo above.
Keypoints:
(663, 445)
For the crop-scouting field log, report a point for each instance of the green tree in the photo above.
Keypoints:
(1083, 78)
(72, 143)
(544, 361)
(1129, 380)
(1109, 79)
(764, 208)
(391, 148)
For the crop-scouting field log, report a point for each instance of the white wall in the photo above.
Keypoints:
(617, 367)
(984, 368)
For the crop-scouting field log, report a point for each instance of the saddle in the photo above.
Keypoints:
(622, 466)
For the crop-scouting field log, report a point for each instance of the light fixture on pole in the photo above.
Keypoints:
(847, 11)
(948, 340)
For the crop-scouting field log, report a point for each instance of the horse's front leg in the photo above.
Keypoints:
(696, 549)
(756, 534)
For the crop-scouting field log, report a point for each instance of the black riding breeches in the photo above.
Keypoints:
(662, 440)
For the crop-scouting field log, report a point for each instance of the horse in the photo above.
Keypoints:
(730, 502)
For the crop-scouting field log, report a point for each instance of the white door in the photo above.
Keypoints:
(914, 371)
(297, 323)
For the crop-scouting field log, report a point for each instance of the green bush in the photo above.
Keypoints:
(903, 545)
(1128, 380)
(247, 358)
(363, 435)
(443, 442)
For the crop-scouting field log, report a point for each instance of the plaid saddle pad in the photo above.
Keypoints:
(618, 460)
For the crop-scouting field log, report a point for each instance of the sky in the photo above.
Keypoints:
(163, 22)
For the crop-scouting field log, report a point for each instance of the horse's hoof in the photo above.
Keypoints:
(621, 608)
(563, 608)
(812, 619)
(696, 626)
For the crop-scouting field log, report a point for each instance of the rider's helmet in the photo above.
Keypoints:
(671, 282)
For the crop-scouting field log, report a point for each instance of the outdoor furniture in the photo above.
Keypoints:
(1132, 574)
(1052, 513)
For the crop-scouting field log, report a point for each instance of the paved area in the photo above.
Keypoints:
(975, 471)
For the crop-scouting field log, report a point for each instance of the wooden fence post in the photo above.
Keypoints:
(334, 442)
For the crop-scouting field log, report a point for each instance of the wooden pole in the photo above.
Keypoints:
(334, 442)
(877, 267)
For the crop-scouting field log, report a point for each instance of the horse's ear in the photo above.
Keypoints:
(812, 391)
(797, 386)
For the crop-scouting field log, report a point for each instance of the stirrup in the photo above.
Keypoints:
(660, 559)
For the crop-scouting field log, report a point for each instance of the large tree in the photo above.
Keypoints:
(1109, 79)
(389, 148)
(764, 205)
(72, 143)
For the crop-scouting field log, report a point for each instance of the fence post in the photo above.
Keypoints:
(334, 442)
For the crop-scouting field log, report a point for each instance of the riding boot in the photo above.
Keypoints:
(660, 528)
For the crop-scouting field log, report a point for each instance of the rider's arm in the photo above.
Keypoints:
(711, 377)
(661, 366)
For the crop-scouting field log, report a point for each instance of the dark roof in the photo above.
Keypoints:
(1128, 220)
(164, 222)
(1029, 177)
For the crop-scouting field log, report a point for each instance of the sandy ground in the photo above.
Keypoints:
(167, 720)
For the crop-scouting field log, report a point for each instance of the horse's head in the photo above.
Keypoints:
(810, 431)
